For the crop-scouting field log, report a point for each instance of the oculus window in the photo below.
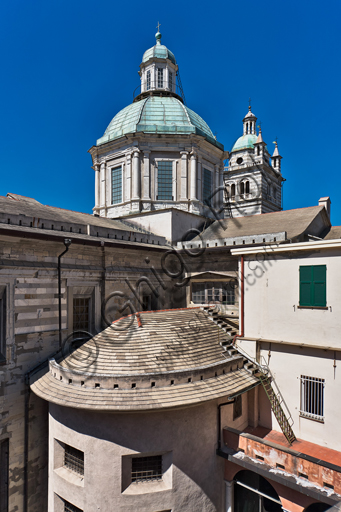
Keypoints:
(313, 285)
(165, 180)
(116, 185)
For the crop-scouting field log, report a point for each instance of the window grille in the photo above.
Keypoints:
(116, 185)
(68, 507)
(312, 398)
(207, 187)
(74, 459)
(208, 292)
(160, 78)
(148, 80)
(2, 323)
(81, 314)
(165, 181)
(146, 468)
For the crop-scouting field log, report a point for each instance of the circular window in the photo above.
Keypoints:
(239, 160)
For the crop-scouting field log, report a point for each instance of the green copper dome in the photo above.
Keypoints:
(157, 114)
(245, 142)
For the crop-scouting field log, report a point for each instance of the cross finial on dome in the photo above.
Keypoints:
(158, 33)
(260, 126)
(250, 104)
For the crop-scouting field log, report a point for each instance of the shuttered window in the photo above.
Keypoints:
(313, 285)
(207, 187)
(165, 180)
(116, 185)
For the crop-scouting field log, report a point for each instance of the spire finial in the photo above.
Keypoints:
(276, 141)
(249, 104)
(158, 33)
(260, 126)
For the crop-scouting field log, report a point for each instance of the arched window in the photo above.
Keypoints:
(258, 150)
(254, 493)
(247, 127)
(241, 188)
(233, 190)
(247, 187)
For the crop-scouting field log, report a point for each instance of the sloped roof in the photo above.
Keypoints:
(160, 360)
(333, 233)
(294, 222)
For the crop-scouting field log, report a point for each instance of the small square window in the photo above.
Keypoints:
(146, 468)
(74, 459)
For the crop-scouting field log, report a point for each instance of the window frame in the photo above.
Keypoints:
(312, 397)
(158, 459)
(160, 78)
(120, 179)
(207, 198)
(313, 282)
(220, 287)
(3, 322)
(173, 180)
(73, 460)
(148, 80)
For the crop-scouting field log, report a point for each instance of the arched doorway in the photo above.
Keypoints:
(253, 493)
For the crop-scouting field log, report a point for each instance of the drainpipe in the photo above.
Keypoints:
(67, 243)
(241, 335)
(219, 421)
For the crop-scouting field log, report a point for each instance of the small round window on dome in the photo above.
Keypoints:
(239, 160)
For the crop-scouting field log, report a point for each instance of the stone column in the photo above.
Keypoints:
(193, 194)
(229, 495)
(199, 171)
(136, 180)
(102, 185)
(128, 178)
(183, 193)
(97, 185)
(146, 181)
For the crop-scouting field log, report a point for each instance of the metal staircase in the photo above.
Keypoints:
(259, 370)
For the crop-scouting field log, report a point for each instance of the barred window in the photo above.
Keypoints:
(160, 78)
(144, 469)
(165, 181)
(148, 80)
(74, 459)
(208, 292)
(81, 314)
(116, 183)
(207, 187)
(312, 398)
(68, 507)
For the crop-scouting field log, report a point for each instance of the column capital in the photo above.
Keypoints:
(183, 154)
(95, 167)
(135, 152)
(146, 152)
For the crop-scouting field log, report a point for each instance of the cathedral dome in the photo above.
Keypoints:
(245, 142)
(157, 114)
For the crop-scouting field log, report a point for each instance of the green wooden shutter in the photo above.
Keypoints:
(319, 285)
(306, 277)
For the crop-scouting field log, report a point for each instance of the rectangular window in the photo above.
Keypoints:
(160, 78)
(4, 475)
(68, 507)
(74, 459)
(312, 398)
(213, 292)
(116, 185)
(3, 324)
(165, 181)
(237, 407)
(144, 469)
(81, 314)
(148, 80)
(313, 285)
(207, 187)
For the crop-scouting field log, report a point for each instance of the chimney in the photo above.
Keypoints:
(325, 201)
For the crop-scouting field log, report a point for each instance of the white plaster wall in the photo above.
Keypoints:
(189, 434)
(272, 297)
(287, 364)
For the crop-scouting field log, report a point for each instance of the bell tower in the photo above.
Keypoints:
(253, 178)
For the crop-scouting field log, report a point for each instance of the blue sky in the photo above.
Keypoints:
(68, 67)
